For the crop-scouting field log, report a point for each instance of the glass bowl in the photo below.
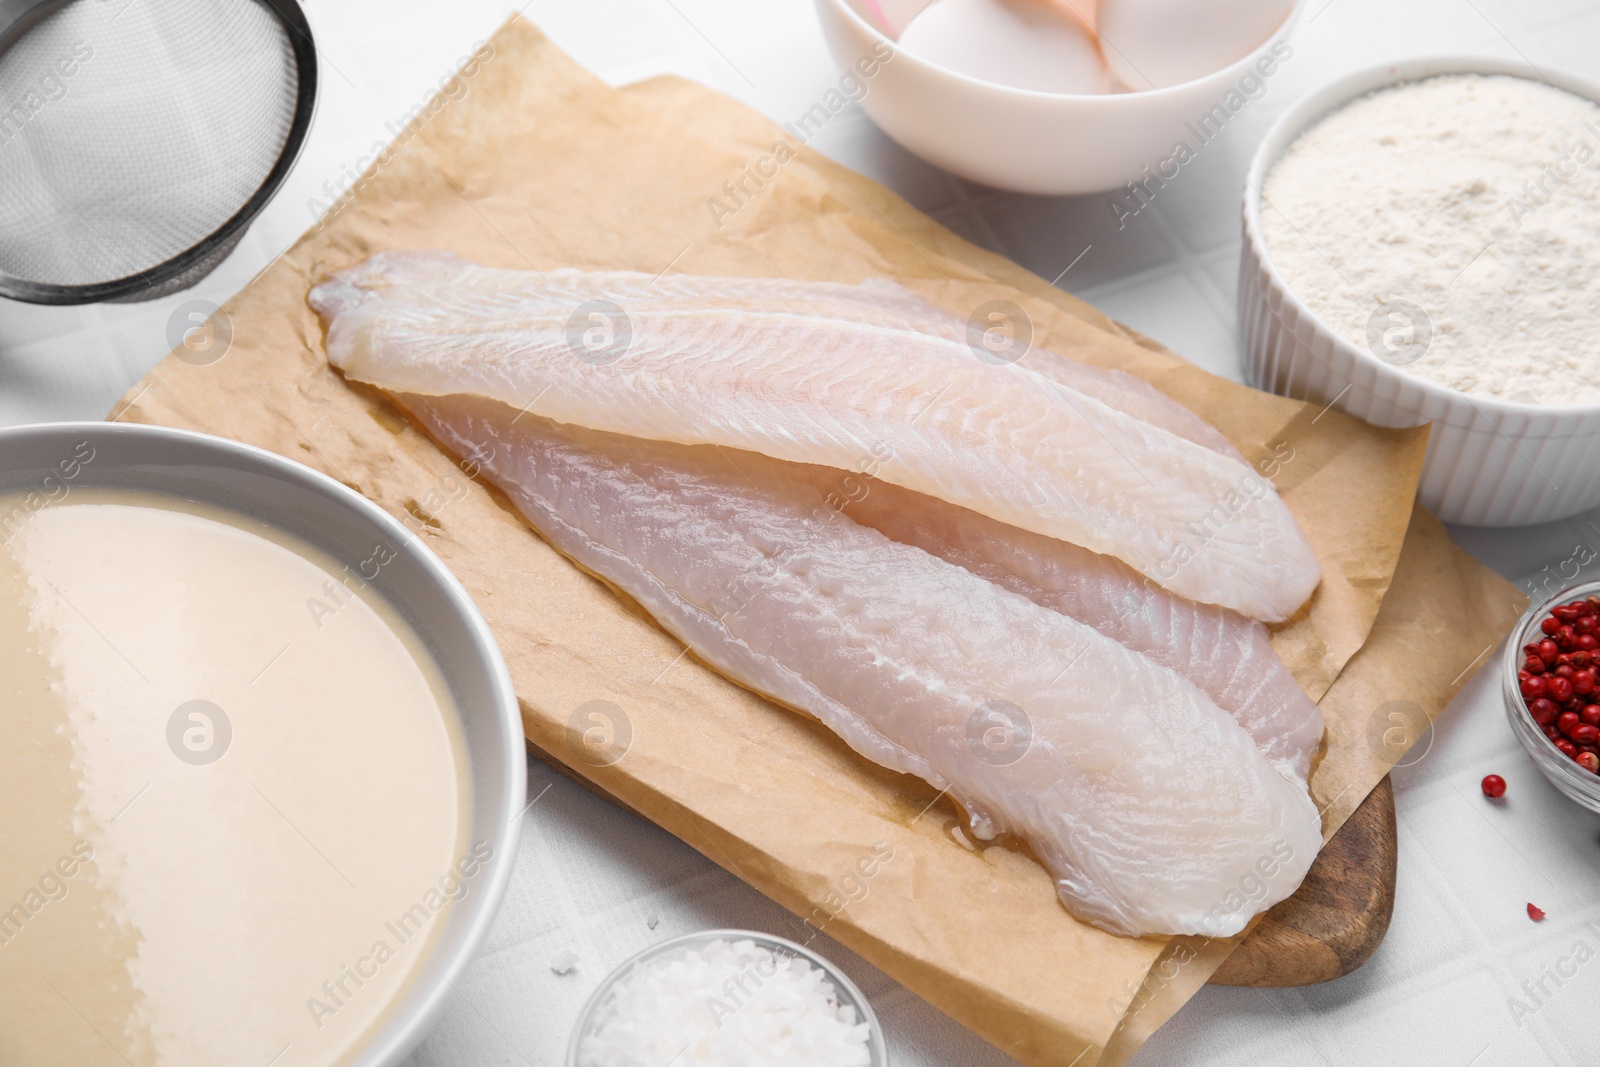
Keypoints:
(844, 989)
(1573, 781)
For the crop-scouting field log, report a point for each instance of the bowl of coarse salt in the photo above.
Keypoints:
(727, 998)
(1422, 245)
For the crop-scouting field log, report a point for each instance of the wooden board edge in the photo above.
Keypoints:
(1339, 915)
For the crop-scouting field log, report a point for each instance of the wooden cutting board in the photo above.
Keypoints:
(1340, 913)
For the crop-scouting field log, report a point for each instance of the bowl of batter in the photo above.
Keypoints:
(263, 761)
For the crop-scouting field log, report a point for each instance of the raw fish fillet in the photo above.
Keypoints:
(1150, 806)
(875, 302)
(696, 367)
(1227, 655)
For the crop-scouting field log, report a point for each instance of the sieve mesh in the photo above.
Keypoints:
(131, 131)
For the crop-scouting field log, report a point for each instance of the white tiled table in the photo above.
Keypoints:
(596, 881)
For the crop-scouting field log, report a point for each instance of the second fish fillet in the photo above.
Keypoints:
(1001, 440)
(1227, 655)
(1152, 809)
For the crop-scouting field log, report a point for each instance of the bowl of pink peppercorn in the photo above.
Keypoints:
(1552, 682)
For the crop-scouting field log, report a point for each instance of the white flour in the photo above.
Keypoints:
(1475, 199)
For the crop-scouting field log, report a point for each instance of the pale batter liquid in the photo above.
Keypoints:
(200, 887)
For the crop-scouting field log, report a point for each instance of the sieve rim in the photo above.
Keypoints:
(291, 16)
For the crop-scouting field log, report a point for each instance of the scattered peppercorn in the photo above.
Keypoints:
(1536, 914)
(1559, 681)
(1494, 785)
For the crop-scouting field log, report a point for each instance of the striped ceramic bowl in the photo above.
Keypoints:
(1490, 462)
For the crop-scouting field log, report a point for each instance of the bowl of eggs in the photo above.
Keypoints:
(1056, 97)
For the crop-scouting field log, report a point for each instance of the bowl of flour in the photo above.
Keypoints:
(1422, 245)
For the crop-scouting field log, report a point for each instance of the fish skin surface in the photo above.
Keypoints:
(697, 368)
(1152, 809)
(1229, 657)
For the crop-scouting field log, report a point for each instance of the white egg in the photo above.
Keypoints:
(1151, 44)
(1025, 44)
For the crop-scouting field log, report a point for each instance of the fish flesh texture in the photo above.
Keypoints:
(696, 366)
(1229, 657)
(1152, 808)
(875, 302)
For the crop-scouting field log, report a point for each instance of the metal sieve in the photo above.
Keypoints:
(139, 138)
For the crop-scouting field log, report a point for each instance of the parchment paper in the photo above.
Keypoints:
(531, 162)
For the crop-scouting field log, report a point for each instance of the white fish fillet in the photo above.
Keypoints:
(1150, 806)
(1229, 657)
(875, 302)
(698, 367)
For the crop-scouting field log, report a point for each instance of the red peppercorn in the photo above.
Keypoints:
(1580, 658)
(1560, 689)
(1549, 650)
(1584, 734)
(1536, 914)
(1589, 761)
(1587, 624)
(1566, 612)
(1550, 625)
(1587, 642)
(1551, 732)
(1565, 670)
(1535, 687)
(1567, 722)
(1567, 748)
(1583, 683)
(1533, 665)
(1544, 711)
(1590, 714)
(1523, 676)
(1494, 785)
(1565, 637)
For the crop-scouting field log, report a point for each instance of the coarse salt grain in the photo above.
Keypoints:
(725, 1004)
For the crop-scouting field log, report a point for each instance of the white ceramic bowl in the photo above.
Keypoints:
(294, 498)
(1490, 462)
(1033, 142)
